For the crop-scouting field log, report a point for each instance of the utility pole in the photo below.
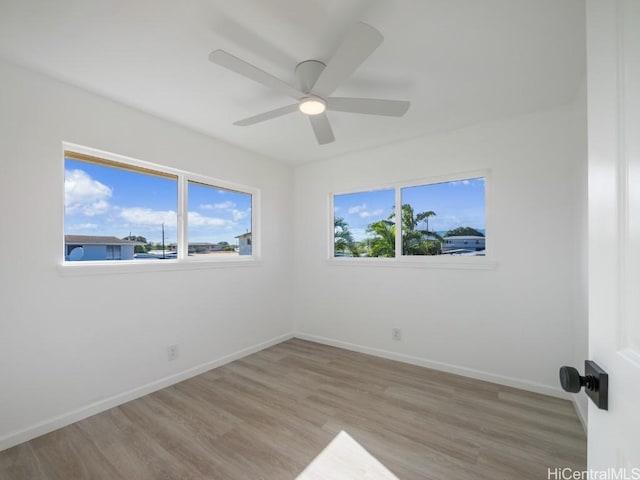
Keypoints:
(163, 240)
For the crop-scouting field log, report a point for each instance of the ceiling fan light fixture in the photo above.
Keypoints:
(312, 106)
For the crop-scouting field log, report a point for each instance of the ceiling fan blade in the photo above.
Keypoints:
(322, 128)
(368, 106)
(278, 112)
(245, 69)
(359, 44)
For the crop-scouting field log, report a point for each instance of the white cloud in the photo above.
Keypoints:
(218, 206)
(362, 212)
(197, 220)
(367, 214)
(357, 208)
(240, 214)
(84, 195)
(81, 226)
(461, 182)
(146, 216)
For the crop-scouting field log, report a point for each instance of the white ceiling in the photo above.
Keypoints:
(458, 61)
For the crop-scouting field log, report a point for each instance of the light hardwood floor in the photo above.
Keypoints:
(268, 415)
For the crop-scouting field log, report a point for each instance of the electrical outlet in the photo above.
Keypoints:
(172, 352)
(396, 334)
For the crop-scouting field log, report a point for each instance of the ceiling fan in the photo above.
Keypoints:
(317, 81)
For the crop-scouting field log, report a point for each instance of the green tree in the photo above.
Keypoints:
(463, 231)
(343, 239)
(383, 242)
(414, 240)
(358, 249)
(226, 247)
(138, 248)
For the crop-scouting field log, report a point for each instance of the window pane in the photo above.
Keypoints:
(444, 218)
(219, 223)
(364, 224)
(118, 212)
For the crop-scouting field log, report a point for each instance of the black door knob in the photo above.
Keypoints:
(595, 382)
(571, 380)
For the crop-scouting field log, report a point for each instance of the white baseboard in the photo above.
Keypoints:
(445, 367)
(51, 424)
(581, 412)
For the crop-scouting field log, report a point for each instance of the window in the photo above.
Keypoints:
(216, 216)
(364, 224)
(444, 218)
(130, 210)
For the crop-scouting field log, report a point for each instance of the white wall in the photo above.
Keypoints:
(512, 325)
(67, 349)
(72, 345)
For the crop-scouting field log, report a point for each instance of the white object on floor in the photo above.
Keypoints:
(344, 458)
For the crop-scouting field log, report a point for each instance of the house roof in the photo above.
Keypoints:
(248, 234)
(98, 240)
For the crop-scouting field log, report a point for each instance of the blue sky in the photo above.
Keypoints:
(102, 200)
(363, 208)
(456, 204)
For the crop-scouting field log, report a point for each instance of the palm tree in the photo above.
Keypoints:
(383, 243)
(343, 239)
(414, 241)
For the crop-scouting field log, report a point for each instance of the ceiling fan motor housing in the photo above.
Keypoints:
(308, 73)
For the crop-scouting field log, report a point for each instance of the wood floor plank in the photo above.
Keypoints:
(21, 462)
(266, 416)
(67, 455)
(132, 450)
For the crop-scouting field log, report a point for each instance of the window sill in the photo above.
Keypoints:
(133, 266)
(459, 263)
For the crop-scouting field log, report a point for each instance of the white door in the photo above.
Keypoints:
(613, 86)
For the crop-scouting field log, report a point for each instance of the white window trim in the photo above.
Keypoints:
(183, 261)
(487, 262)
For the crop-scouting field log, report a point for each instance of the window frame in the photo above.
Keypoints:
(488, 261)
(182, 260)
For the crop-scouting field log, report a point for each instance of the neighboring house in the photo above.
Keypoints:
(96, 247)
(244, 243)
(462, 244)
(203, 247)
